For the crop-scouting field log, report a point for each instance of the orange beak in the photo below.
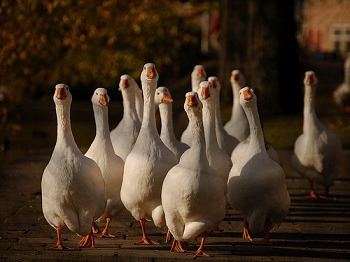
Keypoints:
(205, 92)
(213, 82)
(167, 99)
(151, 72)
(103, 99)
(310, 79)
(200, 72)
(247, 95)
(235, 76)
(191, 101)
(61, 94)
(125, 84)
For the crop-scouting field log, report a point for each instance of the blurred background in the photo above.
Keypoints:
(90, 44)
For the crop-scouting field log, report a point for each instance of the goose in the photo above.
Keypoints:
(163, 100)
(192, 193)
(111, 165)
(318, 153)
(147, 164)
(73, 190)
(341, 95)
(237, 126)
(218, 158)
(198, 75)
(138, 97)
(225, 141)
(256, 185)
(124, 136)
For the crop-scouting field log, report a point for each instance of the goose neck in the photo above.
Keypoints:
(310, 118)
(101, 120)
(166, 113)
(257, 142)
(218, 119)
(64, 129)
(209, 124)
(149, 121)
(198, 146)
(129, 105)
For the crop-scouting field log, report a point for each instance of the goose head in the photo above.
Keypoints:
(310, 79)
(198, 75)
(162, 95)
(192, 102)
(247, 97)
(100, 97)
(62, 94)
(149, 73)
(124, 82)
(215, 83)
(206, 91)
(237, 78)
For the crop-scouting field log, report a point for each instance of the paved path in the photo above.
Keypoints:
(313, 230)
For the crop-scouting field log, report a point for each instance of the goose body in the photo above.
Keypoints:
(124, 136)
(163, 100)
(218, 158)
(198, 75)
(147, 164)
(341, 95)
(225, 141)
(318, 153)
(192, 193)
(111, 165)
(73, 190)
(237, 126)
(257, 185)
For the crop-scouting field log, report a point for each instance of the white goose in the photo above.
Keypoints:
(198, 75)
(163, 100)
(111, 165)
(192, 193)
(237, 126)
(318, 153)
(72, 185)
(138, 97)
(257, 185)
(225, 141)
(218, 158)
(124, 136)
(147, 164)
(341, 95)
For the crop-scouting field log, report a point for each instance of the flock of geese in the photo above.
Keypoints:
(184, 185)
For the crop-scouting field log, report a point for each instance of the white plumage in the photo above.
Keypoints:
(111, 165)
(147, 164)
(257, 184)
(164, 101)
(226, 142)
(192, 194)
(318, 153)
(73, 190)
(341, 95)
(237, 126)
(198, 75)
(218, 158)
(124, 136)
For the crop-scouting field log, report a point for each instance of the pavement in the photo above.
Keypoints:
(314, 230)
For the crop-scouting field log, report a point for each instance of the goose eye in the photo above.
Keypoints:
(96, 93)
(157, 93)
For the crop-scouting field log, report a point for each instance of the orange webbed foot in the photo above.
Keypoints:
(146, 241)
(60, 247)
(178, 246)
(105, 235)
(87, 241)
(198, 253)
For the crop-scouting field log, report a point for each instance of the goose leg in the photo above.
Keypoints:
(59, 245)
(199, 252)
(178, 246)
(95, 228)
(105, 233)
(312, 194)
(88, 240)
(246, 233)
(266, 240)
(168, 237)
(145, 239)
